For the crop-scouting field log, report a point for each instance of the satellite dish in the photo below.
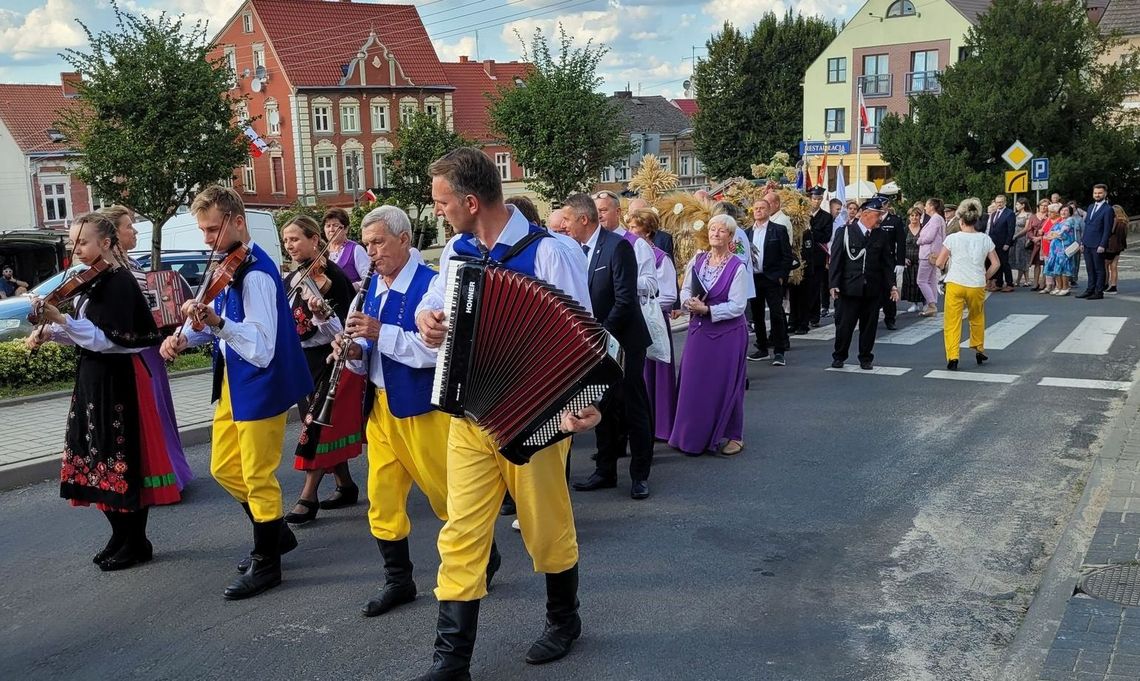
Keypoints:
(687, 84)
(255, 85)
(259, 72)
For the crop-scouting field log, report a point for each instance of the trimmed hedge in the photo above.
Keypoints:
(51, 363)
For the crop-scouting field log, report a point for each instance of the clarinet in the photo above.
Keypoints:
(324, 417)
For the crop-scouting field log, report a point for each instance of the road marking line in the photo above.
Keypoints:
(915, 333)
(879, 371)
(1002, 334)
(1053, 382)
(1093, 336)
(823, 333)
(966, 376)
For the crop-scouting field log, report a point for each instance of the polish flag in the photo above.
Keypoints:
(368, 197)
(257, 146)
(864, 120)
(821, 176)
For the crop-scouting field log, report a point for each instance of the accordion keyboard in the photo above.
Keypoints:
(439, 381)
(549, 431)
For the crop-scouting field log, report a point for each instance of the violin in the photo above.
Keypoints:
(71, 287)
(219, 276)
(311, 285)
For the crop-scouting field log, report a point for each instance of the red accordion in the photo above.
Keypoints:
(519, 352)
(165, 291)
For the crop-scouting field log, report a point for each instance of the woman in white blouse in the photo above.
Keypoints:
(660, 377)
(967, 252)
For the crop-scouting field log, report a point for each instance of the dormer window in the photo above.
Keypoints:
(901, 8)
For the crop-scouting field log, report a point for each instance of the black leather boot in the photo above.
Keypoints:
(454, 642)
(493, 563)
(265, 568)
(398, 586)
(118, 537)
(288, 541)
(135, 549)
(563, 626)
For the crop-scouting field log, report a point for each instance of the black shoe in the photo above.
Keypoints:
(952, 365)
(639, 489)
(398, 586)
(757, 355)
(981, 358)
(594, 482)
(508, 507)
(1084, 294)
(129, 555)
(890, 326)
(455, 631)
(866, 366)
(1096, 296)
(118, 536)
(778, 360)
(265, 568)
(803, 330)
(563, 626)
(288, 543)
(302, 518)
(1110, 289)
(824, 313)
(342, 497)
(837, 364)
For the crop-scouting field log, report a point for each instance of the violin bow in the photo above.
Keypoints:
(309, 269)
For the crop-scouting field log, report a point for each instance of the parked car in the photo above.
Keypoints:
(14, 311)
(35, 254)
(180, 235)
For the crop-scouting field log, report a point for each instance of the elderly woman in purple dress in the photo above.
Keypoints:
(710, 394)
(660, 377)
(348, 255)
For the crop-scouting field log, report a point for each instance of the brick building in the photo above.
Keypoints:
(655, 126)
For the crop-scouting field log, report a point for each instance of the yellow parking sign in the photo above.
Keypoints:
(1016, 181)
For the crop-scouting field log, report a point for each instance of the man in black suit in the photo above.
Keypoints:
(893, 226)
(1099, 219)
(1001, 226)
(612, 275)
(862, 276)
(772, 242)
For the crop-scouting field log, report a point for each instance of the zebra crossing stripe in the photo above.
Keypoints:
(969, 376)
(1003, 334)
(823, 333)
(878, 371)
(1051, 381)
(1093, 336)
(915, 333)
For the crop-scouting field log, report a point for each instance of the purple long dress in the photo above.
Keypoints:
(710, 391)
(661, 380)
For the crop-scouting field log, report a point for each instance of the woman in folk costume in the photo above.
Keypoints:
(710, 395)
(660, 377)
(160, 381)
(319, 295)
(348, 255)
(114, 456)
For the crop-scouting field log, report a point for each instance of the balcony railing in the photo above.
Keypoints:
(877, 85)
(870, 137)
(923, 81)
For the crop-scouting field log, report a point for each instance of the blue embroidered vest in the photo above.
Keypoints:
(257, 393)
(407, 389)
(522, 262)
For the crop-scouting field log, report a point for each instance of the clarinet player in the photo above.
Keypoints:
(407, 436)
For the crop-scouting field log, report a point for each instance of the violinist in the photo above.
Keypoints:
(316, 288)
(346, 253)
(160, 382)
(114, 455)
(259, 373)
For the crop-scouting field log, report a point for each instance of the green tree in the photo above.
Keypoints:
(750, 92)
(559, 128)
(155, 119)
(419, 143)
(1034, 73)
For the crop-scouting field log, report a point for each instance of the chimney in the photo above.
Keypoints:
(69, 81)
(489, 67)
(623, 94)
(462, 59)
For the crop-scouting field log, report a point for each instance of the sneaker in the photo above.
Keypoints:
(757, 355)
(778, 360)
(912, 308)
(1111, 290)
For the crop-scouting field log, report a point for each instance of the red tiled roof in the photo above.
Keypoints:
(313, 38)
(471, 82)
(687, 106)
(29, 110)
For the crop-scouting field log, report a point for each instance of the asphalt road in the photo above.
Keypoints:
(876, 527)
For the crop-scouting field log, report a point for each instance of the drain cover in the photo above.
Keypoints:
(1118, 583)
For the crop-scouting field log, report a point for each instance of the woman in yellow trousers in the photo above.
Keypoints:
(968, 252)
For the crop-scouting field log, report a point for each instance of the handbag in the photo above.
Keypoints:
(659, 350)
(1072, 249)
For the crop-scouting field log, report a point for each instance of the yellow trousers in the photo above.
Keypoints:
(972, 299)
(400, 451)
(245, 456)
(477, 477)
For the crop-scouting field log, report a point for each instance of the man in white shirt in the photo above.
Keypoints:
(774, 262)
(777, 212)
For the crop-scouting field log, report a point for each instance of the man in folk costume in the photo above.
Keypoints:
(259, 375)
(468, 193)
(862, 275)
(407, 436)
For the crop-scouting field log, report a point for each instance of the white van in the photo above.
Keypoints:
(180, 235)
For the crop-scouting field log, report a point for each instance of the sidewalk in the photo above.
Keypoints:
(32, 432)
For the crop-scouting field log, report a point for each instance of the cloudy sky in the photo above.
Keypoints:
(650, 41)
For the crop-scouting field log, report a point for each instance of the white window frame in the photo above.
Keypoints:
(666, 162)
(249, 177)
(607, 174)
(698, 167)
(350, 117)
(231, 63)
(381, 116)
(685, 165)
(349, 180)
(380, 166)
(529, 174)
(503, 163)
(258, 55)
(408, 111)
(273, 158)
(436, 104)
(274, 130)
(325, 164)
(247, 22)
(322, 111)
(60, 200)
(621, 171)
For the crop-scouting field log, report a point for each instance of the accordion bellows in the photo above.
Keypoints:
(518, 352)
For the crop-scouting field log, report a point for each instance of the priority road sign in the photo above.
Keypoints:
(1016, 181)
(1040, 169)
(1017, 155)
